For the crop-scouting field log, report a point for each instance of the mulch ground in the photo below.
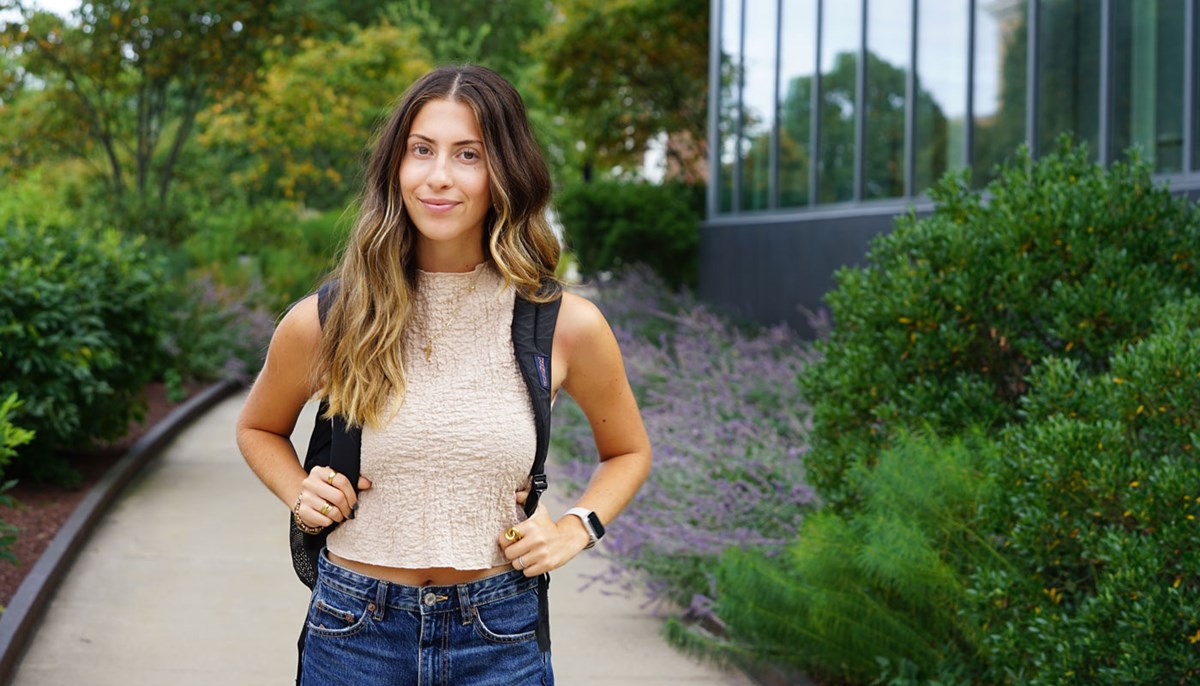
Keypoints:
(42, 509)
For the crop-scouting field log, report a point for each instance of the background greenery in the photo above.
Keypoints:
(998, 484)
(176, 175)
(1005, 421)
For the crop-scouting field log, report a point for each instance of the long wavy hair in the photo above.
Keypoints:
(361, 362)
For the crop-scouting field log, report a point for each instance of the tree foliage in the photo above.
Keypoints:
(125, 80)
(488, 32)
(303, 134)
(626, 71)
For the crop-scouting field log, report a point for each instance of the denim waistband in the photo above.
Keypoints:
(423, 599)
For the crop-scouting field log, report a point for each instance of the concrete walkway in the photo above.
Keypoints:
(188, 581)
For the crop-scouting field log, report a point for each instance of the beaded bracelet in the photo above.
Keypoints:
(302, 525)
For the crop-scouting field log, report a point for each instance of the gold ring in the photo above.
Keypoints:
(329, 479)
(325, 509)
(512, 535)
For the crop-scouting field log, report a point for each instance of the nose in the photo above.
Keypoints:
(439, 175)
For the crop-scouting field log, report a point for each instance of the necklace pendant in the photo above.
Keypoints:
(428, 350)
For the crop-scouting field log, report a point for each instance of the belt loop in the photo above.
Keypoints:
(464, 603)
(381, 593)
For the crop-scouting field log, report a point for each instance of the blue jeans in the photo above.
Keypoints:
(369, 632)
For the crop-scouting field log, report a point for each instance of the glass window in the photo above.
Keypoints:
(1068, 61)
(796, 60)
(1148, 81)
(1001, 41)
(1195, 123)
(889, 38)
(941, 90)
(729, 100)
(840, 40)
(758, 103)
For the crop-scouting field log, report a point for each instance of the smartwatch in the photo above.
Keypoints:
(591, 524)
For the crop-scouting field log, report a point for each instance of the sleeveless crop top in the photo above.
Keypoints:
(445, 469)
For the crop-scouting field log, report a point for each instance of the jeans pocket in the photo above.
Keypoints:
(334, 614)
(508, 620)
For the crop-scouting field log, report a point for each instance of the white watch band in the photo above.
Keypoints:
(582, 513)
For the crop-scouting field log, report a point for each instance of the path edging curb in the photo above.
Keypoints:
(24, 613)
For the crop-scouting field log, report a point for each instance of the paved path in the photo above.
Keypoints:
(188, 581)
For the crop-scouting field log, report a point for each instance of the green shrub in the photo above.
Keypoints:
(880, 585)
(954, 309)
(45, 195)
(11, 437)
(1096, 506)
(268, 248)
(1061, 317)
(82, 316)
(612, 224)
(215, 334)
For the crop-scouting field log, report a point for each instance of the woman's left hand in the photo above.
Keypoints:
(543, 545)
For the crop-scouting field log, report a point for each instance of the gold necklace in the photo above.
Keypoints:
(458, 303)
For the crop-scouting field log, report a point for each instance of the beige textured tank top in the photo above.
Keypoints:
(446, 468)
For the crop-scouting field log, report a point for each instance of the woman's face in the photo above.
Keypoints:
(444, 181)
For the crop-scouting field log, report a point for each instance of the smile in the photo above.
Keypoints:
(439, 206)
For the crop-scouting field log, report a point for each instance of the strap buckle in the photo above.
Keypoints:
(540, 484)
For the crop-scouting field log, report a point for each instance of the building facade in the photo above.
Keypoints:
(827, 118)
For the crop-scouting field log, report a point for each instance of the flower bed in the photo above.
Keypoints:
(727, 427)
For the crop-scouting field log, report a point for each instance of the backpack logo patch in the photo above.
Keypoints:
(543, 369)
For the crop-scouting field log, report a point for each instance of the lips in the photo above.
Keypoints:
(439, 205)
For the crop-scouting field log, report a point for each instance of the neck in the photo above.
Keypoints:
(439, 257)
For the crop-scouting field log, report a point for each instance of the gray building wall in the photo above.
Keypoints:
(771, 269)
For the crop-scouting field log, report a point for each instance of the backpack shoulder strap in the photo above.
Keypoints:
(326, 294)
(533, 341)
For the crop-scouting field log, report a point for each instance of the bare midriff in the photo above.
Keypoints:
(436, 576)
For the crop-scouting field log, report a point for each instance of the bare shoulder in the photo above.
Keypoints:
(585, 344)
(286, 380)
(295, 346)
(580, 321)
(300, 326)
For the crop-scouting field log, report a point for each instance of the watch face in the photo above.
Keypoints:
(597, 527)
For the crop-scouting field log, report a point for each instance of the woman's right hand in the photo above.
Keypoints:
(326, 497)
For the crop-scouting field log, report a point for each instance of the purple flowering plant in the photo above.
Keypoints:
(728, 429)
(218, 331)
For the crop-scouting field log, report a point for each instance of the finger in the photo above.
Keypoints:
(532, 567)
(340, 507)
(340, 482)
(333, 487)
(313, 510)
(522, 496)
(363, 483)
(511, 536)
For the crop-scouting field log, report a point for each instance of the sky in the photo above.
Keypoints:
(61, 7)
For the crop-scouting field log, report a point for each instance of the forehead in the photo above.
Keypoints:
(446, 121)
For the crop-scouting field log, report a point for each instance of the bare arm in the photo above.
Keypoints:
(267, 419)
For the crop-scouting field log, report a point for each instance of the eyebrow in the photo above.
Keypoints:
(430, 140)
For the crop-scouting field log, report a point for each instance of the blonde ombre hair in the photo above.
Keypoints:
(360, 361)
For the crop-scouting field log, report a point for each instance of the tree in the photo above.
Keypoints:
(488, 32)
(302, 137)
(629, 70)
(126, 79)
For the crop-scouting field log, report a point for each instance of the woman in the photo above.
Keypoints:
(430, 575)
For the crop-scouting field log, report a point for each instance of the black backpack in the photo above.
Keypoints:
(333, 444)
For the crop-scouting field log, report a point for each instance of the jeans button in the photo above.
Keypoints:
(430, 599)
